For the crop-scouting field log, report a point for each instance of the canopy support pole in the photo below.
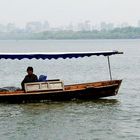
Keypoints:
(109, 67)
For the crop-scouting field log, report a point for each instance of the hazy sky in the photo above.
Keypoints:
(62, 12)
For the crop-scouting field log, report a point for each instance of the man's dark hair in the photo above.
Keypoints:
(30, 69)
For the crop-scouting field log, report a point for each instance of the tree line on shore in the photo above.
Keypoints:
(116, 33)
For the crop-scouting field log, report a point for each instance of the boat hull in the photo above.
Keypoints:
(85, 91)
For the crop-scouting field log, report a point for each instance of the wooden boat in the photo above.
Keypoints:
(55, 90)
(77, 91)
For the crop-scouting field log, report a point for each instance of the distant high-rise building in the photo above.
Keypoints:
(106, 26)
(69, 27)
(138, 24)
(87, 25)
(46, 26)
(37, 26)
(84, 26)
(11, 27)
(110, 26)
(34, 26)
(103, 26)
(2, 28)
(125, 24)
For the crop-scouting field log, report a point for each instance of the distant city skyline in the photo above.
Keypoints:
(63, 12)
(37, 26)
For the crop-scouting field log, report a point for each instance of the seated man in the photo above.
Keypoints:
(29, 78)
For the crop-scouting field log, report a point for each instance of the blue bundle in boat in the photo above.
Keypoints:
(42, 78)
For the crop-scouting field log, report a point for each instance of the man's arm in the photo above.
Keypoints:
(36, 78)
(22, 83)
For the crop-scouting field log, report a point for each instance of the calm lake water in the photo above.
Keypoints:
(105, 119)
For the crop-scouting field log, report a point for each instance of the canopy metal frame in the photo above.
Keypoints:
(109, 67)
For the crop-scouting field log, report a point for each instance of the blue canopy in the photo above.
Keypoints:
(56, 55)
